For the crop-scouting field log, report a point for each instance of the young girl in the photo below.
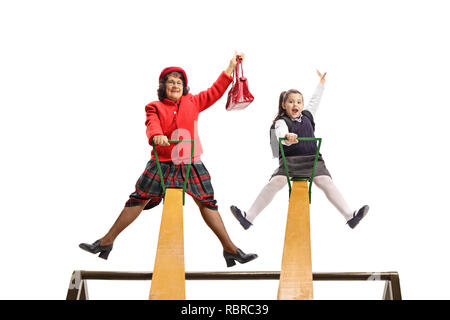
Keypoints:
(300, 157)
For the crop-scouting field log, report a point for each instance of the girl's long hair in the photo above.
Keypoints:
(283, 97)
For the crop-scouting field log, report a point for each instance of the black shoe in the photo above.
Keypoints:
(96, 248)
(237, 213)
(240, 257)
(357, 216)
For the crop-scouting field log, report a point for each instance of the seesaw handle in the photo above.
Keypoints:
(314, 166)
(187, 172)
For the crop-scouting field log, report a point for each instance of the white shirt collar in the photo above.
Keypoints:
(298, 119)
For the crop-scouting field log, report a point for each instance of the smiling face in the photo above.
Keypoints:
(293, 105)
(174, 86)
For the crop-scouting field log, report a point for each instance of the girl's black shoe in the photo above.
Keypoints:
(242, 218)
(240, 257)
(96, 248)
(357, 216)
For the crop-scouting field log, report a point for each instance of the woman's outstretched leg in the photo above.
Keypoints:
(105, 244)
(231, 253)
(215, 223)
(126, 217)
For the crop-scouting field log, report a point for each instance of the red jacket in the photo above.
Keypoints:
(165, 117)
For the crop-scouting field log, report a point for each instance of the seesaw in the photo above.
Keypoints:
(295, 278)
(168, 281)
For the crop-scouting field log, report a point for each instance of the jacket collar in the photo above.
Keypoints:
(171, 102)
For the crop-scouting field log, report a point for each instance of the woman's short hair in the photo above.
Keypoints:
(162, 85)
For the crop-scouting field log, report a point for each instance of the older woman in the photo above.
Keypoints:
(173, 117)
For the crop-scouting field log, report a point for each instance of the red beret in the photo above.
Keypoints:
(173, 69)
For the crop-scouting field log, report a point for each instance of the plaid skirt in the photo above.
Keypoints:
(148, 186)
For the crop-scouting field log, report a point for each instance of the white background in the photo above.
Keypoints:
(75, 77)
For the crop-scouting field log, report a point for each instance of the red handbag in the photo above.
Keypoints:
(239, 97)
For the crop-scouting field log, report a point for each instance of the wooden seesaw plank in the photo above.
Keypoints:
(296, 268)
(168, 281)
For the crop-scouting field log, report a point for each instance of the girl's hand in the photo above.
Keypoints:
(291, 138)
(233, 63)
(322, 77)
(161, 140)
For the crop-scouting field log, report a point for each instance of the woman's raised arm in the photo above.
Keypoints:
(207, 98)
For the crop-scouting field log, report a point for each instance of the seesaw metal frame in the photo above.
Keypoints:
(78, 289)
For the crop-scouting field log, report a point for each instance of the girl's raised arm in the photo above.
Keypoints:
(314, 102)
(322, 77)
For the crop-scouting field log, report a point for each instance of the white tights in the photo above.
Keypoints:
(324, 183)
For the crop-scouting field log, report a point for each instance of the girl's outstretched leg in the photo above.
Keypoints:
(266, 196)
(326, 184)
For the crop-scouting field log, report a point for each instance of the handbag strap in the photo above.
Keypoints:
(236, 69)
(239, 60)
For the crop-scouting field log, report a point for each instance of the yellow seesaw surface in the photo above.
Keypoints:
(168, 281)
(296, 269)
